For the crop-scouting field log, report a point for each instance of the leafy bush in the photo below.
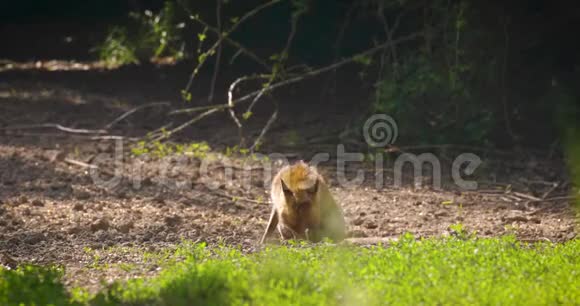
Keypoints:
(118, 49)
(434, 86)
(32, 285)
(148, 36)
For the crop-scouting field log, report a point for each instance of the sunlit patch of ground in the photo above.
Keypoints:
(69, 65)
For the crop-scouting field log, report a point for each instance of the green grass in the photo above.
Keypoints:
(161, 149)
(437, 271)
(30, 285)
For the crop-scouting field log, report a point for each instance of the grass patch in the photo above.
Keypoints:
(437, 271)
(161, 149)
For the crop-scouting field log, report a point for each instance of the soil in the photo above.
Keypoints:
(54, 211)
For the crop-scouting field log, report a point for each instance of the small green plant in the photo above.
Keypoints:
(511, 229)
(96, 262)
(140, 148)
(458, 230)
(162, 149)
(161, 33)
(247, 115)
(117, 49)
(231, 151)
(127, 267)
(147, 35)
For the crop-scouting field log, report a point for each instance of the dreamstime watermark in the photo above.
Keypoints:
(380, 130)
(179, 171)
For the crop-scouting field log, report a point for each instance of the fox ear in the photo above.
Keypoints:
(314, 188)
(284, 187)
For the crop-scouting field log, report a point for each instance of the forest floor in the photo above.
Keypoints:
(53, 211)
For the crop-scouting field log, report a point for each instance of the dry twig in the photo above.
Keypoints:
(269, 87)
(224, 37)
(525, 196)
(219, 51)
(197, 109)
(79, 163)
(547, 193)
(264, 130)
(554, 199)
(186, 124)
(132, 111)
(231, 104)
(54, 125)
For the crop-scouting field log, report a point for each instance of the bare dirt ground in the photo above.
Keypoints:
(52, 211)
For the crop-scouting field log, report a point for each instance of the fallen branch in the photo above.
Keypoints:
(490, 191)
(224, 37)
(75, 136)
(512, 197)
(327, 68)
(547, 193)
(526, 196)
(231, 105)
(256, 98)
(197, 109)
(231, 108)
(554, 199)
(299, 78)
(131, 111)
(270, 87)
(563, 198)
(54, 125)
(264, 131)
(239, 46)
(159, 131)
(88, 166)
(219, 52)
(79, 163)
(113, 137)
(186, 124)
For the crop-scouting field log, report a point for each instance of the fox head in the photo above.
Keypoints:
(300, 183)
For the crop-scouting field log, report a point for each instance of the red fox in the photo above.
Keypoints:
(302, 206)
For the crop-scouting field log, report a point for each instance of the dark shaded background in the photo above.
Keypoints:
(545, 29)
(543, 39)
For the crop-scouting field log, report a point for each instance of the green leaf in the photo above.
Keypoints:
(363, 59)
(186, 95)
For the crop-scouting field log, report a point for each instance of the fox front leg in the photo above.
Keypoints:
(272, 225)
